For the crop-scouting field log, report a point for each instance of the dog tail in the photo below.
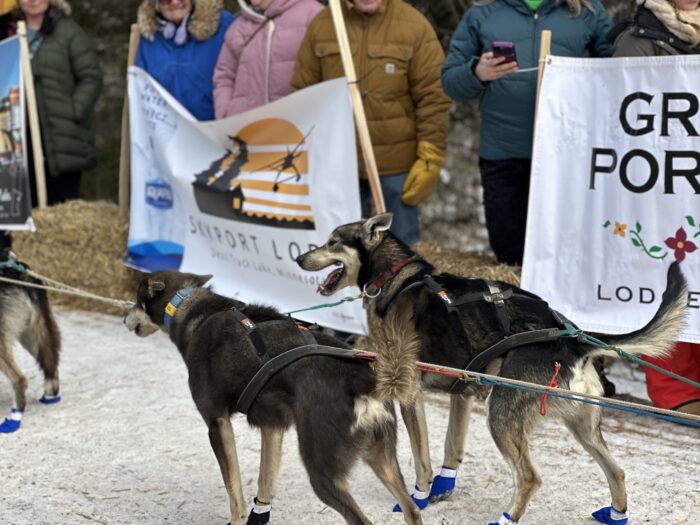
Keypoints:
(397, 345)
(656, 339)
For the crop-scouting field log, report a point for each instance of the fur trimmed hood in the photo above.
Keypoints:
(203, 23)
(62, 6)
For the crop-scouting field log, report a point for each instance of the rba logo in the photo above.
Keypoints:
(262, 177)
(159, 194)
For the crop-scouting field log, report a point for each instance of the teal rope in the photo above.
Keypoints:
(13, 265)
(619, 351)
(690, 422)
(347, 299)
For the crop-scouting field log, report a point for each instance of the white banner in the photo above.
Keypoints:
(615, 190)
(241, 198)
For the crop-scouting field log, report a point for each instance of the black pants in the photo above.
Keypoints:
(506, 185)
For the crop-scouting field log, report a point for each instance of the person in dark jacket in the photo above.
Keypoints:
(179, 45)
(507, 94)
(660, 28)
(664, 28)
(67, 82)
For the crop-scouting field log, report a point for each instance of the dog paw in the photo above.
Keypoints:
(12, 423)
(48, 399)
(443, 485)
(610, 516)
(260, 513)
(505, 519)
(420, 498)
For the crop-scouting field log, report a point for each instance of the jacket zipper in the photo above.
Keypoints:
(365, 31)
(535, 51)
(268, 54)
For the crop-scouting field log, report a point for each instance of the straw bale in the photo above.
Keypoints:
(468, 264)
(80, 243)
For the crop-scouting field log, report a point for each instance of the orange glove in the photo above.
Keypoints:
(424, 175)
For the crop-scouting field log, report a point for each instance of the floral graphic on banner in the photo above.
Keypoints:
(679, 243)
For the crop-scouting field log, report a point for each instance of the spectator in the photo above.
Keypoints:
(67, 82)
(180, 42)
(257, 60)
(661, 28)
(507, 97)
(397, 58)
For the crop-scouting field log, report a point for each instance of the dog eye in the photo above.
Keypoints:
(332, 242)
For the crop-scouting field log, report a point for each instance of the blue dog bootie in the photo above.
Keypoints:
(610, 516)
(419, 497)
(260, 513)
(12, 423)
(443, 484)
(48, 399)
(505, 519)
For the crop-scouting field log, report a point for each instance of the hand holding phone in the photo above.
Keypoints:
(504, 49)
(496, 63)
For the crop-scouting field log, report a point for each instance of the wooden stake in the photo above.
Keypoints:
(357, 106)
(125, 152)
(34, 127)
(545, 50)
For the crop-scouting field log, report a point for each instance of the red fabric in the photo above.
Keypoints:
(667, 392)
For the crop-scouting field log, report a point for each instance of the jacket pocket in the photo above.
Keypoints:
(388, 68)
(328, 55)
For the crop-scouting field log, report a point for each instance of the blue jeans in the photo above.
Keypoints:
(405, 224)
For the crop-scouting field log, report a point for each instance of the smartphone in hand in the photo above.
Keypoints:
(504, 49)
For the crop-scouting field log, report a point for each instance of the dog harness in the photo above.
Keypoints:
(497, 297)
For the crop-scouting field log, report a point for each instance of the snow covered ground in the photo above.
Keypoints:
(126, 446)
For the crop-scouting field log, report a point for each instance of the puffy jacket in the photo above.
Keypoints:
(257, 60)
(185, 71)
(67, 83)
(397, 59)
(508, 104)
(647, 37)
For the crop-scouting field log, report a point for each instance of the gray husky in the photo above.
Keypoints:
(369, 256)
(25, 316)
(329, 399)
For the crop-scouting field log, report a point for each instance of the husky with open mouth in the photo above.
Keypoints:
(458, 321)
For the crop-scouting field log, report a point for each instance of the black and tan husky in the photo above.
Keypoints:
(368, 255)
(25, 317)
(330, 400)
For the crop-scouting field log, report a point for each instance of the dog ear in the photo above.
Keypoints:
(374, 226)
(201, 280)
(155, 286)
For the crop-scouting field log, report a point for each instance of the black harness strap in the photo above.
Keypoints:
(274, 365)
(252, 331)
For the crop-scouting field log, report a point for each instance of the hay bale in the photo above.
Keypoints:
(81, 244)
(468, 264)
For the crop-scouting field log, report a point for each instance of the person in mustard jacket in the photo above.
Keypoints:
(397, 58)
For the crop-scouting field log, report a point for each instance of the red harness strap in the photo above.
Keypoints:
(552, 382)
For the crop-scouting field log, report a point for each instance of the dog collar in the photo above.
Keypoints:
(374, 287)
(171, 307)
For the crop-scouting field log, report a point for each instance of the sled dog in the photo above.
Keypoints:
(369, 256)
(330, 400)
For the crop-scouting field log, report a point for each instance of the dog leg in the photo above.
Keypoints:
(14, 374)
(41, 340)
(510, 435)
(417, 427)
(444, 483)
(585, 426)
(336, 494)
(270, 461)
(223, 443)
(382, 459)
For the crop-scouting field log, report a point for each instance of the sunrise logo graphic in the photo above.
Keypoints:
(262, 178)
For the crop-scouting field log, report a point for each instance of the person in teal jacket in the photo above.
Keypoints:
(179, 45)
(507, 94)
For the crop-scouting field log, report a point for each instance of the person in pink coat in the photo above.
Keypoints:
(257, 60)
